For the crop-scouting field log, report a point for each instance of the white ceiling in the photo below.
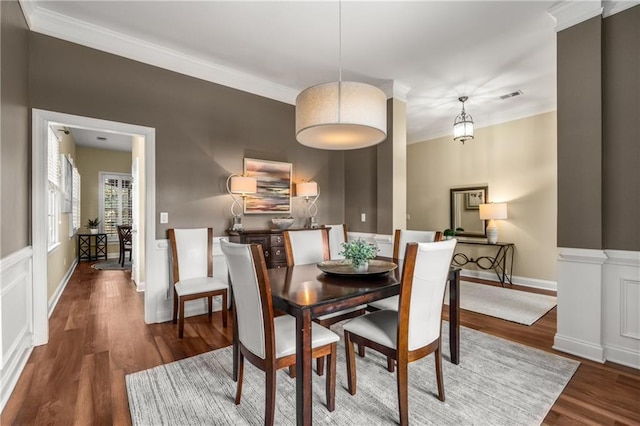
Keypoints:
(427, 52)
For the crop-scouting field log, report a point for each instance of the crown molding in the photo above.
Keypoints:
(56, 25)
(569, 13)
(612, 7)
(395, 89)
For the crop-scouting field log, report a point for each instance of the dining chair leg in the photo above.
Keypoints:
(320, 366)
(181, 319)
(270, 403)
(292, 371)
(175, 307)
(361, 351)
(225, 309)
(331, 378)
(438, 356)
(240, 376)
(210, 306)
(351, 363)
(403, 384)
(390, 364)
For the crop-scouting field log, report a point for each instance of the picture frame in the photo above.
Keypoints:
(273, 194)
(473, 199)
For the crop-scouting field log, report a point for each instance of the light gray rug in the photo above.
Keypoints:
(498, 382)
(505, 303)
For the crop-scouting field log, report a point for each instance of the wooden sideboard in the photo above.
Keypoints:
(271, 240)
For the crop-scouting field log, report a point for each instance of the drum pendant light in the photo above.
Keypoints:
(341, 115)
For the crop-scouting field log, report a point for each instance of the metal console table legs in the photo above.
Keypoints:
(501, 262)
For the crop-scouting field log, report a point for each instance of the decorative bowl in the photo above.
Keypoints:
(283, 222)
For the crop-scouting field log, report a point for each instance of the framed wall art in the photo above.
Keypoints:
(473, 200)
(274, 186)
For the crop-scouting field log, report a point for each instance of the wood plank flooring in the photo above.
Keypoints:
(98, 335)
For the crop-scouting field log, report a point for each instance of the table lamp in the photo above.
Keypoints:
(242, 186)
(307, 190)
(493, 212)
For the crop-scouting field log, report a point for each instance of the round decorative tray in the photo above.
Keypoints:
(338, 267)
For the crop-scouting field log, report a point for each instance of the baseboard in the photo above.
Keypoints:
(579, 348)
(622, 356)
(53, 302)
(191, 309)
(12, 370)
(521, 281)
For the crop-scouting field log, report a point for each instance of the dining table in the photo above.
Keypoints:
(306, 292)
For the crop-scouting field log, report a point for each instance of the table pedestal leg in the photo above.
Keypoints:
(454, 316)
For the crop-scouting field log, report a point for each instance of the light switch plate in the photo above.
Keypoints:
(164, 217)
(363, 217)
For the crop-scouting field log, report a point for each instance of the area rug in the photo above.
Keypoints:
(112, 265)
(497, 382)
(505, 303)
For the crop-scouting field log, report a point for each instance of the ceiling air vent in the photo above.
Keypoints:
(511, 95)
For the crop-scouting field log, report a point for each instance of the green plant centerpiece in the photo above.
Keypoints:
(359, 253)
(93, 224)
(450, 233)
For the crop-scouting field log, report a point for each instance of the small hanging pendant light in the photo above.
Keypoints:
(463, 124)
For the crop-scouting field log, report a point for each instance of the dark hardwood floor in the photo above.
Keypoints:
(98, 335)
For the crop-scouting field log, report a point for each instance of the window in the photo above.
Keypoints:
(53, 192)
(75, 214)
(116, 201)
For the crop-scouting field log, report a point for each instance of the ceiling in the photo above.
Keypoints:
(428, 53)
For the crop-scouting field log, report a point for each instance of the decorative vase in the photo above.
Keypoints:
(362, 268)
(94, 230)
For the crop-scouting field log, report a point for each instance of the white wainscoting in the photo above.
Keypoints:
(16, 319)
(599, 305)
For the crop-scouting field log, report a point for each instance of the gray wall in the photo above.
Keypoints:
(599, 133)
(15, 150)
(203, 130)
(621, 122)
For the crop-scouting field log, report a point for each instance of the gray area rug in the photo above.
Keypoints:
(505, 303)
(112, 265)
(497, 382)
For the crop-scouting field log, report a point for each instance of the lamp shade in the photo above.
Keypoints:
(493, 211)
(307, 189)
(243, 185)
(341, 115)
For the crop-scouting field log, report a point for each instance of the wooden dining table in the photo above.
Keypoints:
(305, 292)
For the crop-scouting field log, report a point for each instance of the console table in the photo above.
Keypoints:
(92, 246)
(501, 261)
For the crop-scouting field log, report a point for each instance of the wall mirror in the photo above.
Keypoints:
(465, 206)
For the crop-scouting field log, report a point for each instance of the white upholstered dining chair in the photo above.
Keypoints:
(337, 236)
(305, 246)
(400, 240)
(192, 272)
(269, 343)
(414, 330)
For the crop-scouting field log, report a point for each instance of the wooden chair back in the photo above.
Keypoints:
(191, 253)
(404, 236)
(306, 246)
(337, 236)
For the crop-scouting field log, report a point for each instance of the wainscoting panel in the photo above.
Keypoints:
(599, 305)
(16, 328)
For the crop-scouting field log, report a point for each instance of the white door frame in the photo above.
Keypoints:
(39, 164)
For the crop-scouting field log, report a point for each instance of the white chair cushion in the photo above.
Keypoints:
(336, 238)
(199, 285)
(307, 246)
(390, 303)
(285, 332)
(409, 236)
(380, 327)
(345, 311)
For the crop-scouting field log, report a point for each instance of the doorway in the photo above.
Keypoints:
(145, 168)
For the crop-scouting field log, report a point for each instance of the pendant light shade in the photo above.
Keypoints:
(463, 124)
(341, 115)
